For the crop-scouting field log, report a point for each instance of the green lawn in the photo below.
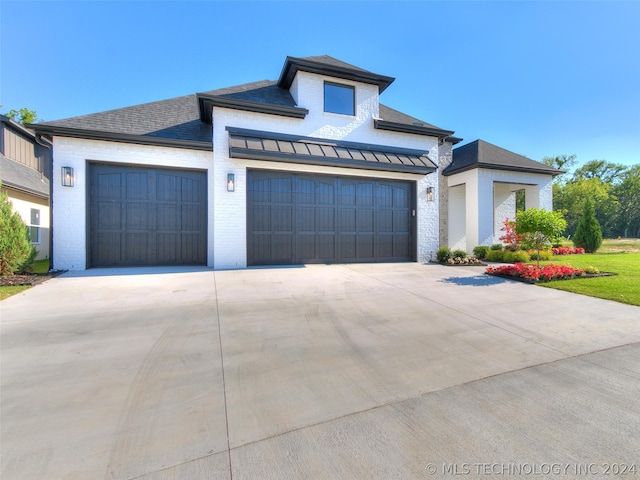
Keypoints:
(624, 287)
(8, 290)
(40, 266)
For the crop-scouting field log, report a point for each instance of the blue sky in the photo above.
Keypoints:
(538, 78)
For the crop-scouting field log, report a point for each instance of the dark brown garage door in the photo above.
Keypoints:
(146, 216)
(299, 218)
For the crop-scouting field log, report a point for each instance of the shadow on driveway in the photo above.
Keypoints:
(475, 281)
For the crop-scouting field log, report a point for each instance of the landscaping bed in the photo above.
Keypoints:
(27, 278)
(533, 274)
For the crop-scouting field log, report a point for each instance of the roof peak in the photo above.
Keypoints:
(327, 65)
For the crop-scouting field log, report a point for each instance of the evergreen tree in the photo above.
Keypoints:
(15, 248)
(588, 233)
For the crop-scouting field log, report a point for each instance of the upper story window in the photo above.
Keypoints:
(339, 98)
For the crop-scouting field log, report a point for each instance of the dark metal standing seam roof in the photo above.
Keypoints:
(258, 145)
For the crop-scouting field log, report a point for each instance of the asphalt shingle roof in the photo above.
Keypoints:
(21, 177)
(180, 118)
(481, 154)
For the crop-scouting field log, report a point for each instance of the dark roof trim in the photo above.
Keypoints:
(325, 153)
(206, 102)
(491, 166)
(18, 127)
(120, 137)
(417, 129)
(35, 193)
(453, 140)
(292, 65)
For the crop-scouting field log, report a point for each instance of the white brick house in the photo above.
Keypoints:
(311, 168)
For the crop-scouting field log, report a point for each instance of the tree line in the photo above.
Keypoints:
(613, 188)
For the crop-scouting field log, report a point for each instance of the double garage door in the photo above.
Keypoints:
(303, 218)
(146, 216)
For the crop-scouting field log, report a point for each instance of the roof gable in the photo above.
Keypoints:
(481, 154)
(332, 67)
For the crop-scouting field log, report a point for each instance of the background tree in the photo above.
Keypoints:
(539, 227)
(627, 194)
(588, 234)
(15, 249)
(24, 115)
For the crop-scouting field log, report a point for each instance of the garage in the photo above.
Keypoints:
(296, 218)
(142, 216)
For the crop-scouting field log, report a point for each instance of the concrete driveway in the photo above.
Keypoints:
(347, 371)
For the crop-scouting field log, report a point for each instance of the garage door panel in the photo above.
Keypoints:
(333, 219)
(146, 216)
(137, 187)
(111, 216)
(136, 216)
(325, 219)
(282, 219)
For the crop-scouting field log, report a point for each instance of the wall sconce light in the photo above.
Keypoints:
(231, 182)
(67, 176)
(429, 194)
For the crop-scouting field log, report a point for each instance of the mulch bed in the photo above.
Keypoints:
(28, 278)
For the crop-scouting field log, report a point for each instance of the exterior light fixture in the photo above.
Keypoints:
(67, 176)
(430, 194)
(231, 182)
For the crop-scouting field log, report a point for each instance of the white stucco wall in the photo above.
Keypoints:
(230, 207)
(70, 203)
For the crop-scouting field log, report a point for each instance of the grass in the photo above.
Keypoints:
(40, 266)
(621, 257)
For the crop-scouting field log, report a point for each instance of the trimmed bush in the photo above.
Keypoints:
(459, 253)
(519, 256)
(495, 256)
(480, 251)
(443, 254)
(496, 246)
(545, 255)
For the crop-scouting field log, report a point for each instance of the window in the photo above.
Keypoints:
(339, 98)
(34, 228)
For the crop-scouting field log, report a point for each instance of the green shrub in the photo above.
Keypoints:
(15, 248)
(443, 254)
(480, 251)
(495, 256)
(519, 256)
(496, 247)
(459, 253)
(545, 255)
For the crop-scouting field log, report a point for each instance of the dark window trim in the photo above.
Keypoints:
(342, 85)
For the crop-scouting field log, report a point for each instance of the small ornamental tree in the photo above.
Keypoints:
(15, 249)
(510, 238)
(588, 233)
(539, 227)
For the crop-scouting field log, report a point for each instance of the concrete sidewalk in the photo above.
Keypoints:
(345, 371)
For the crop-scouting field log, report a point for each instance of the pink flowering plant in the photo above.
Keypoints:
(567, 250)
(535, 273)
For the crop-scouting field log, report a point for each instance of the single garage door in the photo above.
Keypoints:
(300, 218)
(146, 216)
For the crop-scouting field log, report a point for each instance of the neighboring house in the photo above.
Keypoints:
(25, 169)
(310, 168)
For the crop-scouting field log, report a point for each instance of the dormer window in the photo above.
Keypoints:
(339, 98)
